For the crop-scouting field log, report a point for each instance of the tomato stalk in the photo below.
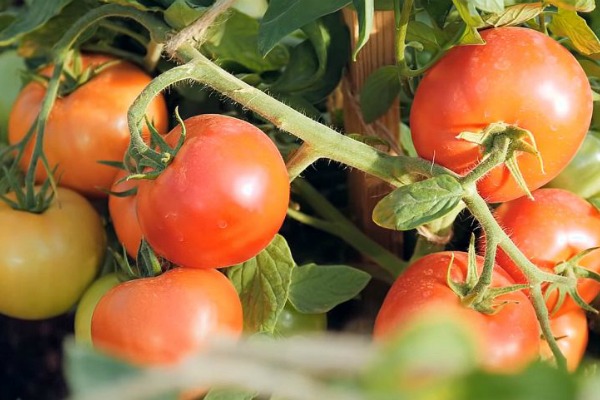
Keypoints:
(300, 159)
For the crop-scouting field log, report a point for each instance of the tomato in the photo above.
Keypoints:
(123, 213)
(227, 191)
(507, 339)
(571, 332)
(161, 320)
(554, 227)
(292, 322)
(582, 175)
(87, 125)
(520, 77)
(47, 260)
(87, 304)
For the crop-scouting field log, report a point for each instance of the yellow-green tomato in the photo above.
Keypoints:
(292, 322)
(47, 260)
(87, 304)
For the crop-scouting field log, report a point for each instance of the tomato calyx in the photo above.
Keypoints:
(571, 269)
(483, 301)
(74, 74)
(519, 141)
(149, 162)
(147, 263)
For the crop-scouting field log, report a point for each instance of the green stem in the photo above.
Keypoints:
(301, 159)
(480, 210)
(401, 31)
(123, 30)
(397, 170)
(541, 310)
(490, 162)
(346, 230)
(424, 247)
(135, 115)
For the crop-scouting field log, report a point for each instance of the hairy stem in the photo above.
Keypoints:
(301, 159)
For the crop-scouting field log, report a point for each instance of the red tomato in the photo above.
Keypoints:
(520, 77)
(507, 339)
(221, 200)
(161, 320)
(554, 227)
(124, 215)
(87, 125)
(571, 332)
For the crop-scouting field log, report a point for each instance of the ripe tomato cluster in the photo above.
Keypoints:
(218, 202)
(508, 80)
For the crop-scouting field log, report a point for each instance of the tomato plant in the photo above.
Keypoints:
(123, 213)
(508, 338)
(48, 259)
(10, 64)
(228, 192)
(582, 175)
(554, 227)
(162, 320)
(571, 332)
(86, 126)
(474, 86)
(87, 304)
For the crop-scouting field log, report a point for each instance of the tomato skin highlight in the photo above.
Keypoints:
(519, 76)
(48, 259)
(508, 340)
(87, 125)
(123, 213)
(554, 227)
(162, 320)
(571, 332)
(228, 192)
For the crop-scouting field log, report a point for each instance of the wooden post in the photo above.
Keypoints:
(365, 190)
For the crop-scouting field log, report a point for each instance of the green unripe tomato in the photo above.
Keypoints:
(87, 304)
(582, 175)
(292, 322)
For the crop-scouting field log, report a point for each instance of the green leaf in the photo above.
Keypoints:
(468, 13)
(86, 369)
(408, 207)
(438, 10)
(285, 16)
(238, 44)
(365, 9)
(570, 24)
(34, 17)
(490, 6)
(421, 32)
(254, 8)
(138, 5)
(228, 394)
(317, 63)
(574, 5)
(595, 201)
(40, 42)
(263, 284)
(406, 141)
(181, 13)
(319, 288)
(379, 92)
(514, 15)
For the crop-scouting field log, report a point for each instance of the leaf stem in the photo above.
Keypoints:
(401, 31)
